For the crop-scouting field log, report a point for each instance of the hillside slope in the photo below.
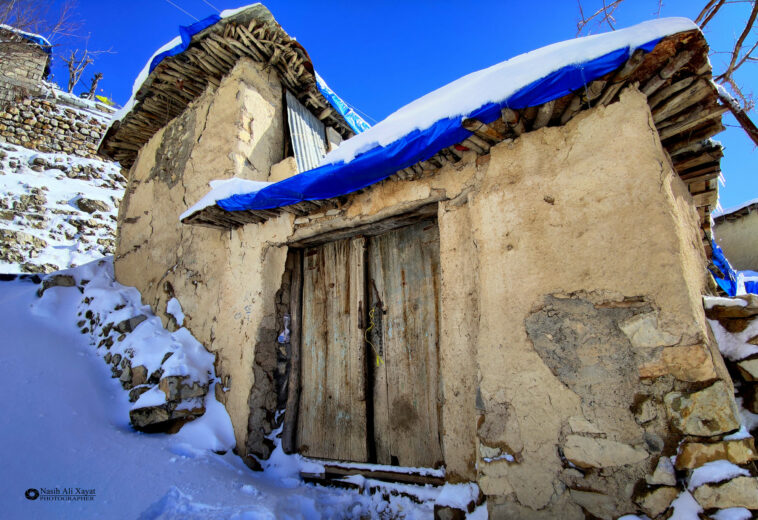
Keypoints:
(56, 210)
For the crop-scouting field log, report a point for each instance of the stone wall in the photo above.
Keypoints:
(575, 354)
(739, 240)
(48, 125)
(22, 67)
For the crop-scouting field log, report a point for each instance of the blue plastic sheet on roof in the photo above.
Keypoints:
(355, 121)
(186, 32)
(42, 42)
(334, 180)
(34, 38)
(728, 279)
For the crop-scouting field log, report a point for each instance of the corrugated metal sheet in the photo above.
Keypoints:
(308, 134)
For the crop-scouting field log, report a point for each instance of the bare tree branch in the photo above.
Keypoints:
(708, 12)
(93, 86)
(36, 17)
(738, 46)
(742, 118)
(78, 63)
(605, 13)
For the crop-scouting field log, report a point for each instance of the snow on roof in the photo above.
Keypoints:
(221, 189)
(734, 209)
(422, 128)
(498, 82)
(36, 38)
(178, 44)
(182, 42)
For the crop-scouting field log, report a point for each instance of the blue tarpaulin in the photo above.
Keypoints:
(727, 278)
(333, 180)
(34, 38)
(186, 32)
(355, 121)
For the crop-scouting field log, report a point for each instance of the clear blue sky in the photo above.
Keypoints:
(381, 55)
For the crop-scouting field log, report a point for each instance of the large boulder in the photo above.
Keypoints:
(92, 205)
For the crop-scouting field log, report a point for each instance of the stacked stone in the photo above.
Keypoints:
(41, 124)
(711, 430)
(672, 410)
(21, 67)
(184, 398)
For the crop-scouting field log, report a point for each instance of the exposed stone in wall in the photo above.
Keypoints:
(48, 126)
(22, 67)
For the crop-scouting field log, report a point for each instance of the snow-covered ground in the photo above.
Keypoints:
(69, 428)
(56, 210)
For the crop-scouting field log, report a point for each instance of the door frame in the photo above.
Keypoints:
(294, 385)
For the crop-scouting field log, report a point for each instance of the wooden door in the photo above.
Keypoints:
(332, 412)
(403, 293)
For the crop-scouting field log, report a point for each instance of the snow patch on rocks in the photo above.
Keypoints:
(57, 211)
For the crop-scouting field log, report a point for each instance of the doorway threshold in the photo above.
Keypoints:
(338, 470)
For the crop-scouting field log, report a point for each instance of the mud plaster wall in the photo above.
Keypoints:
(571, 264)
(572, 276)
(739, 241)
(594, 241)
(225, 281)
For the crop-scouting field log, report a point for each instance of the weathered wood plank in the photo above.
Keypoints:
(696, 160)
(336, 471)
(332, 413)
(686, 141)
(683, 100)
(676, 63)
(514, 121)
(707, 198)
(483, 130)
(621, 77)
(586, 95)
(404, 285)
(289, 427)
(692, 120)
(543, 115)
(669, 91)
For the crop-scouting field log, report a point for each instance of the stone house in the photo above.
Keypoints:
(24, 64)
(736, 232)
(517, 301)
